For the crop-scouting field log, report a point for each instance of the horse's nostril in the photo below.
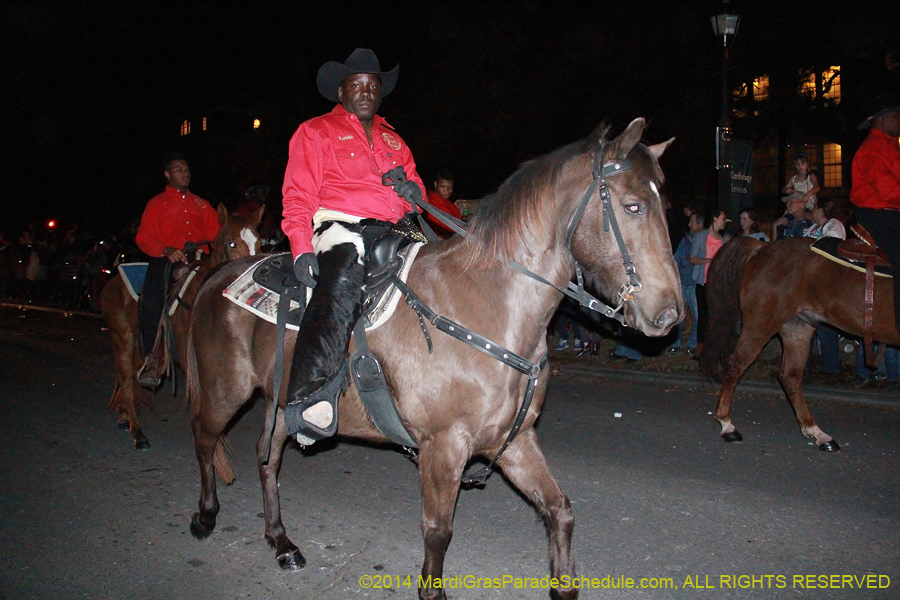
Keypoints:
(668, 318)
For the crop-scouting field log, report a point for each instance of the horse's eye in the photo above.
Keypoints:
(232, 245)
(633, 209)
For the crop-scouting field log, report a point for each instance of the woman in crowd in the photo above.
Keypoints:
(825, 224)
(703, 249)
(749, 222)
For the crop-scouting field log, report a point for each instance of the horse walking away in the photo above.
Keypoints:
(456, 402)
(237, 238)
(757, 290)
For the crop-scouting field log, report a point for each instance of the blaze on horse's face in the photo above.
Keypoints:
(657, 305)
(238, 233)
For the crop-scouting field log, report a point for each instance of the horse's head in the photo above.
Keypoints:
(238, 236)
(655, 305)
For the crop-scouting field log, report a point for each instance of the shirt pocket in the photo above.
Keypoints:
(355, 163)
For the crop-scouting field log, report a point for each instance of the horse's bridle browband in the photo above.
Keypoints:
(412, 194)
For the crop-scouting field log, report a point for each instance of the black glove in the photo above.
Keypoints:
(305, 264)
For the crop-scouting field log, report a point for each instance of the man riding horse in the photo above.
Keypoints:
(333, 192)
(170, 220)
(876, 182)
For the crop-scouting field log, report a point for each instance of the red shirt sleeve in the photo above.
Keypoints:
(302, 182)
(149, 232)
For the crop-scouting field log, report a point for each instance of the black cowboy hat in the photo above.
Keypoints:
(363, 60)
(880, 105)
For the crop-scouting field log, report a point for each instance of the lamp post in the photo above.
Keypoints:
(725, 26)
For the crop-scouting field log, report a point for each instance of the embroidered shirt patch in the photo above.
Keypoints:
(344, 138)
(392, 142)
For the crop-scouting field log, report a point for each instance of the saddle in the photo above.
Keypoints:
(863, 250)
(271, 284)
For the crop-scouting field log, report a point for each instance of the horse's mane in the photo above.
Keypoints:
(519, 206)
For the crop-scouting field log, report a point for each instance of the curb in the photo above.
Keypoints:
(61, 311)
(852, 397)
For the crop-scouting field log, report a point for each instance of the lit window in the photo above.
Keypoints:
(204, 123)
(831, 86)
(761, 88)
(832, 163)
(255, 123)
(809, 86)
(185, 127)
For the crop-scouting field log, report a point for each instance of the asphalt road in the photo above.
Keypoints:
(657, 496)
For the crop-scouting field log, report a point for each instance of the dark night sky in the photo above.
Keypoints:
(94, 91)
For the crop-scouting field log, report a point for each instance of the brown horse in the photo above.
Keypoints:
(237, 238)
(458, 403)
(756, 290)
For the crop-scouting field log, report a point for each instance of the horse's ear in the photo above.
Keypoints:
(223, 215)
(256, 217)
(657, 149)
(629, 139)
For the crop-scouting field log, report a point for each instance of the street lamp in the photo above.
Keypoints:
(725, 26)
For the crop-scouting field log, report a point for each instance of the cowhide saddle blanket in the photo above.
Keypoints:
(259, 288)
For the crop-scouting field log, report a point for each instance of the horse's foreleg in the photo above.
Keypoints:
(441, 464)
(288, 555)
(524, 465)
(796, 336)
(747, 350)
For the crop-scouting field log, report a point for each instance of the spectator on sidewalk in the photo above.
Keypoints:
(688, 291)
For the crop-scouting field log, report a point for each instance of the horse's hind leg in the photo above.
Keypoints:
(525, 467)
(288, 555)
(441, 464)
(747, 350)
(796, 335)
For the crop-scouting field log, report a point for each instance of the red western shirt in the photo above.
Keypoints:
(173, 219)
(445, 205)
(876, 172)
(331, 166)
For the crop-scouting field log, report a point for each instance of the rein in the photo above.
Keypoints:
(411, 193)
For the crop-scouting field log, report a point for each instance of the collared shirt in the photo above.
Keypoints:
(331, 166)
(876, 172)
(173, 219)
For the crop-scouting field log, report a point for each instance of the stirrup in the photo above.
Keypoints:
(316, 417)
(149, 376)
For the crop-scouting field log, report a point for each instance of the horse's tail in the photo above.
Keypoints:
(723, 299)
(220, 458)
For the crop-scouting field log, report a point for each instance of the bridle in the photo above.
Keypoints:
(411, 192)
(575, 290)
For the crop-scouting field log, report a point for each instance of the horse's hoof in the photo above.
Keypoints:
(732, 436)
(569, 594)
(199, 531)
(292, 561)
(142, 444)
(831, 446)
(124, 425)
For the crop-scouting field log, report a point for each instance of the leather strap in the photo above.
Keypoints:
(284, 305)
(869, 317)
(373, 391)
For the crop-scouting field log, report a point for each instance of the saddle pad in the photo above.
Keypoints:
(133, 275)
(827, 247)
(262, 302)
